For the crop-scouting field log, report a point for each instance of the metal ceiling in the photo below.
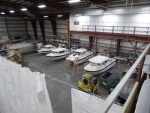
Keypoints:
(55, 7)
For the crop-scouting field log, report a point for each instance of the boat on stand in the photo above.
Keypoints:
(99, 64)
(58, 53)
(79, 56)
(46, 49)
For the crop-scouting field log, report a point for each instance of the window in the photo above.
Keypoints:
(99, 64)
(55, 52)
(93, 64)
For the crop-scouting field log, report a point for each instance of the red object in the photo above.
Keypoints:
(6, 43)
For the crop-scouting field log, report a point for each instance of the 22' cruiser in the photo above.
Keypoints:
(46, 49)
(58, 53)
(79, 56)
(99, 64)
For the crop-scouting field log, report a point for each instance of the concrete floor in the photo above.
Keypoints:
(60, 80)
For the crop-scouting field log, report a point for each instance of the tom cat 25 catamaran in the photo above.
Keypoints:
(80, 55)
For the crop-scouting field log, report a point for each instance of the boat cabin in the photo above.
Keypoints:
(59, 51)
(99, 60)
(80, 51)
(48, 47)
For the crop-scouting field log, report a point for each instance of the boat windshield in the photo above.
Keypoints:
(95, 64)
(46, 47)
(77, 53)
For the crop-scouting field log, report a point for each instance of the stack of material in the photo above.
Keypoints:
(22, 91)
(15, 56)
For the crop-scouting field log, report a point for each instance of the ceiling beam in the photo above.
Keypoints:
(49, 3)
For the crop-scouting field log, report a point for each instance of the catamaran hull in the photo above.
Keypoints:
(102, 70)
(58, 57)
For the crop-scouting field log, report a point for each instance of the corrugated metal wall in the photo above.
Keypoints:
(38, 29)
(16, 27)
(48, 28)
(62, 28)
(29, 28)
(3, 29)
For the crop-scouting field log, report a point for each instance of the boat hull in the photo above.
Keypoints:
(102, 70)
(79, 61)
(44, 52)
(58, 57)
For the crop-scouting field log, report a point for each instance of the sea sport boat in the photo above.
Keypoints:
(79, 56)
(46, 49)
(99, 64)
(58, 53)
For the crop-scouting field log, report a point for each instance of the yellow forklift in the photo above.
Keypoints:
(88, 84)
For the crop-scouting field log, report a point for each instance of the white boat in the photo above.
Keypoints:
(79, 56)
(46, 49)
(99, 64)
(58, 53)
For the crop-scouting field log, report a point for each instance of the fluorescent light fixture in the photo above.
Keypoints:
(41, 6)
(45, 16)
(24, 9)
(106, 13)
(11, 11)
(59, 15)
(144, 12)
(78, 14)
(2, 13)
(74, 1)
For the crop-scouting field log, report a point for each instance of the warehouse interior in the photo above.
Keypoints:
(74, 56)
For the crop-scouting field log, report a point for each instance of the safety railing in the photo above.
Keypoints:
(117, 29)
(114, 94)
